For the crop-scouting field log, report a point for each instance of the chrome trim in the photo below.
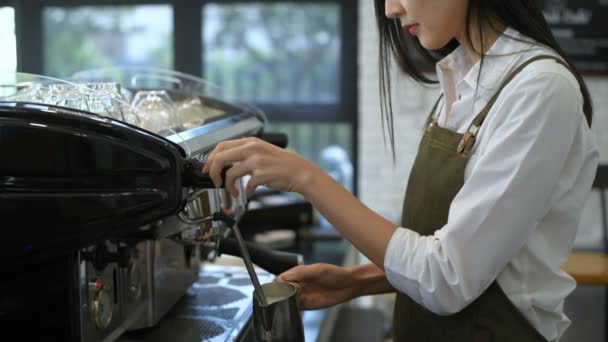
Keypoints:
(203, 138)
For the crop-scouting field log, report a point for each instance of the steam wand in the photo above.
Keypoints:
(193, 176)
(230, 222)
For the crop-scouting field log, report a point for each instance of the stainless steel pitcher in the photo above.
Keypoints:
(280, 319)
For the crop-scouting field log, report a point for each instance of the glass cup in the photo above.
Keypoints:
(104, 99)
(190, 113)
(157, 111)
(64, 95)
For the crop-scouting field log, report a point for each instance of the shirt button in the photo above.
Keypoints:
(459, 96)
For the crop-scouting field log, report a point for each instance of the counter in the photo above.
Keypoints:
(218, 307)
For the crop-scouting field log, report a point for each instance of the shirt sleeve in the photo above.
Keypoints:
(502, 201)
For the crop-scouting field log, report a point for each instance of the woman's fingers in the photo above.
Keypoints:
(226, 158)
(252, 184)
(291, 275)
(281, 277)
(236, 171)
(223, 146)
(266, 164)
(301, 273)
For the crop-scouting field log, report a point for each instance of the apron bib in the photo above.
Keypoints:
(436, 178)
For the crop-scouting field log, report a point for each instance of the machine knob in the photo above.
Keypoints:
(136, 278)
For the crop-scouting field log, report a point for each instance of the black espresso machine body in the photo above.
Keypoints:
(101, 229)
(70, 179)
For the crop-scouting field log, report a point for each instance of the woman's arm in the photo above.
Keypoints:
(284, 170)
(372, 280)
(367, 230)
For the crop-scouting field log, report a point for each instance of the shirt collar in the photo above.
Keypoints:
(500, 59)
(452, 69)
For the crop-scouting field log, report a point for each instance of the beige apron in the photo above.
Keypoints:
(436, 178)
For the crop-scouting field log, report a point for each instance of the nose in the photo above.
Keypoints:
(393, 9)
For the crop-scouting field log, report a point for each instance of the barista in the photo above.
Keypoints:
(495, 194)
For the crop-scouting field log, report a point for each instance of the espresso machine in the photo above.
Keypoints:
(105, 213)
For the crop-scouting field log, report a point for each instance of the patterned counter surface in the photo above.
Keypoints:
(218, 307)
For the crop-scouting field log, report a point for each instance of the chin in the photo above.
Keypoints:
(431, 44)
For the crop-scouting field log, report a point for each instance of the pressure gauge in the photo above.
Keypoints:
(102, 305)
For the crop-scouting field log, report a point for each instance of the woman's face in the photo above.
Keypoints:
(434, 22)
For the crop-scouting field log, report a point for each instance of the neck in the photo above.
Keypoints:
(480, 42)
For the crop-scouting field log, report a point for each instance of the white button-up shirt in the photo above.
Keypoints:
(528, 177)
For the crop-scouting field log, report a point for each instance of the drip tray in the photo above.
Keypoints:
(215, 308)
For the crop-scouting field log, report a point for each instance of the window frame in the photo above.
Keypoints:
(188, 52)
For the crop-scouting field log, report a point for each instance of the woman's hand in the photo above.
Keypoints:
(321, 285)
(267, 165)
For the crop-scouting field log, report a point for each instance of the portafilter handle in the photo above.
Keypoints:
(277, 139)
(194, 177)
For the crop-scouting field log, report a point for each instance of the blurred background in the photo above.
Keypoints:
(312, 67)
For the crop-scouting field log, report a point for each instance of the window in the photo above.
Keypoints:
(8, 59)
(78, 38)
(326, 144)
(284, 58)
(273, 53)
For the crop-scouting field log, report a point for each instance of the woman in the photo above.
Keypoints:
(495, 194)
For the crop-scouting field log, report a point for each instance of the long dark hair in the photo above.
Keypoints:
(524, 16)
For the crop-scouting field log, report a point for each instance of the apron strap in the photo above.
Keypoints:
(469, 136)
(432, 116)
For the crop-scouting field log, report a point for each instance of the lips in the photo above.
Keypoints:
(411, 29)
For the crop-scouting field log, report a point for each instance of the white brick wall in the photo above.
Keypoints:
(599, 93)
(382, 186)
